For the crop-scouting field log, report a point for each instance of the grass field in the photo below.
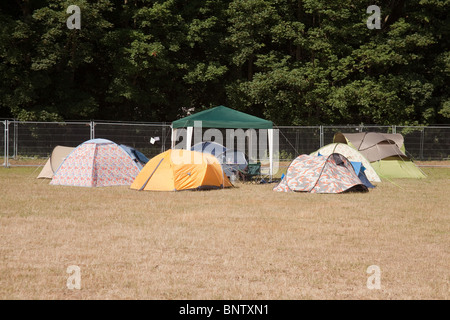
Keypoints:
(248, 242)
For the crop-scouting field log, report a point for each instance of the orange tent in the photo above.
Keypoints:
(180, 169)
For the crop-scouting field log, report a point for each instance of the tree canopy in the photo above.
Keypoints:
(294, 62)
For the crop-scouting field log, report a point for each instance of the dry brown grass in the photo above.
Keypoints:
(243, 243)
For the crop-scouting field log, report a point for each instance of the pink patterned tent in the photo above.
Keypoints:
(96, 163)
(320, 174)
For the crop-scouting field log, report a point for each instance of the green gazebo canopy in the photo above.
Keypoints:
(223, 117)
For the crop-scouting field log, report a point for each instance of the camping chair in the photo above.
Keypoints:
(251, 173)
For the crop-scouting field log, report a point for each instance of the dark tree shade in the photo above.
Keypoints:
(295, 62)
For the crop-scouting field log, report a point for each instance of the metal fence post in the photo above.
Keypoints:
(320, 136)
(15, 137)
(394, 128)
(6, 144)
(422, 138)
(92, 130)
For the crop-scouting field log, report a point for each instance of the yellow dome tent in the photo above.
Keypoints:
(180, 169)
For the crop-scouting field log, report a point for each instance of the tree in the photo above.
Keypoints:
(295, 62)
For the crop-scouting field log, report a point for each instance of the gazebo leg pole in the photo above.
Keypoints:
(173, 138)
(270, 137)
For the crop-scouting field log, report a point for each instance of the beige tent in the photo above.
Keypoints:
(374, 145)
(59, 153)
(385, 151)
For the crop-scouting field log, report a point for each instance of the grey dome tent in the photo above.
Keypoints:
(232, 161)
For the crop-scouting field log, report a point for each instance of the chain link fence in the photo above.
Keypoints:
(426, 143)
(36, 140)
(421, 143)
(294, 141)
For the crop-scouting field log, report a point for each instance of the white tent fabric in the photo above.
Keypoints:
(352, 155)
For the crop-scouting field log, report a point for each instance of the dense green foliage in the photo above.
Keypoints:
(295, 62)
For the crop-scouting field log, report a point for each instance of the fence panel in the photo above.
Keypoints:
(436, 143)
(37, 139)
(294, 141)
(330, 131)
(426, 143)
(413, 140)
(137, 136)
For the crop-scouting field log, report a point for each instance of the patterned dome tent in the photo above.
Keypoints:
(352, 155)
(96, 163)
(320, 174)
